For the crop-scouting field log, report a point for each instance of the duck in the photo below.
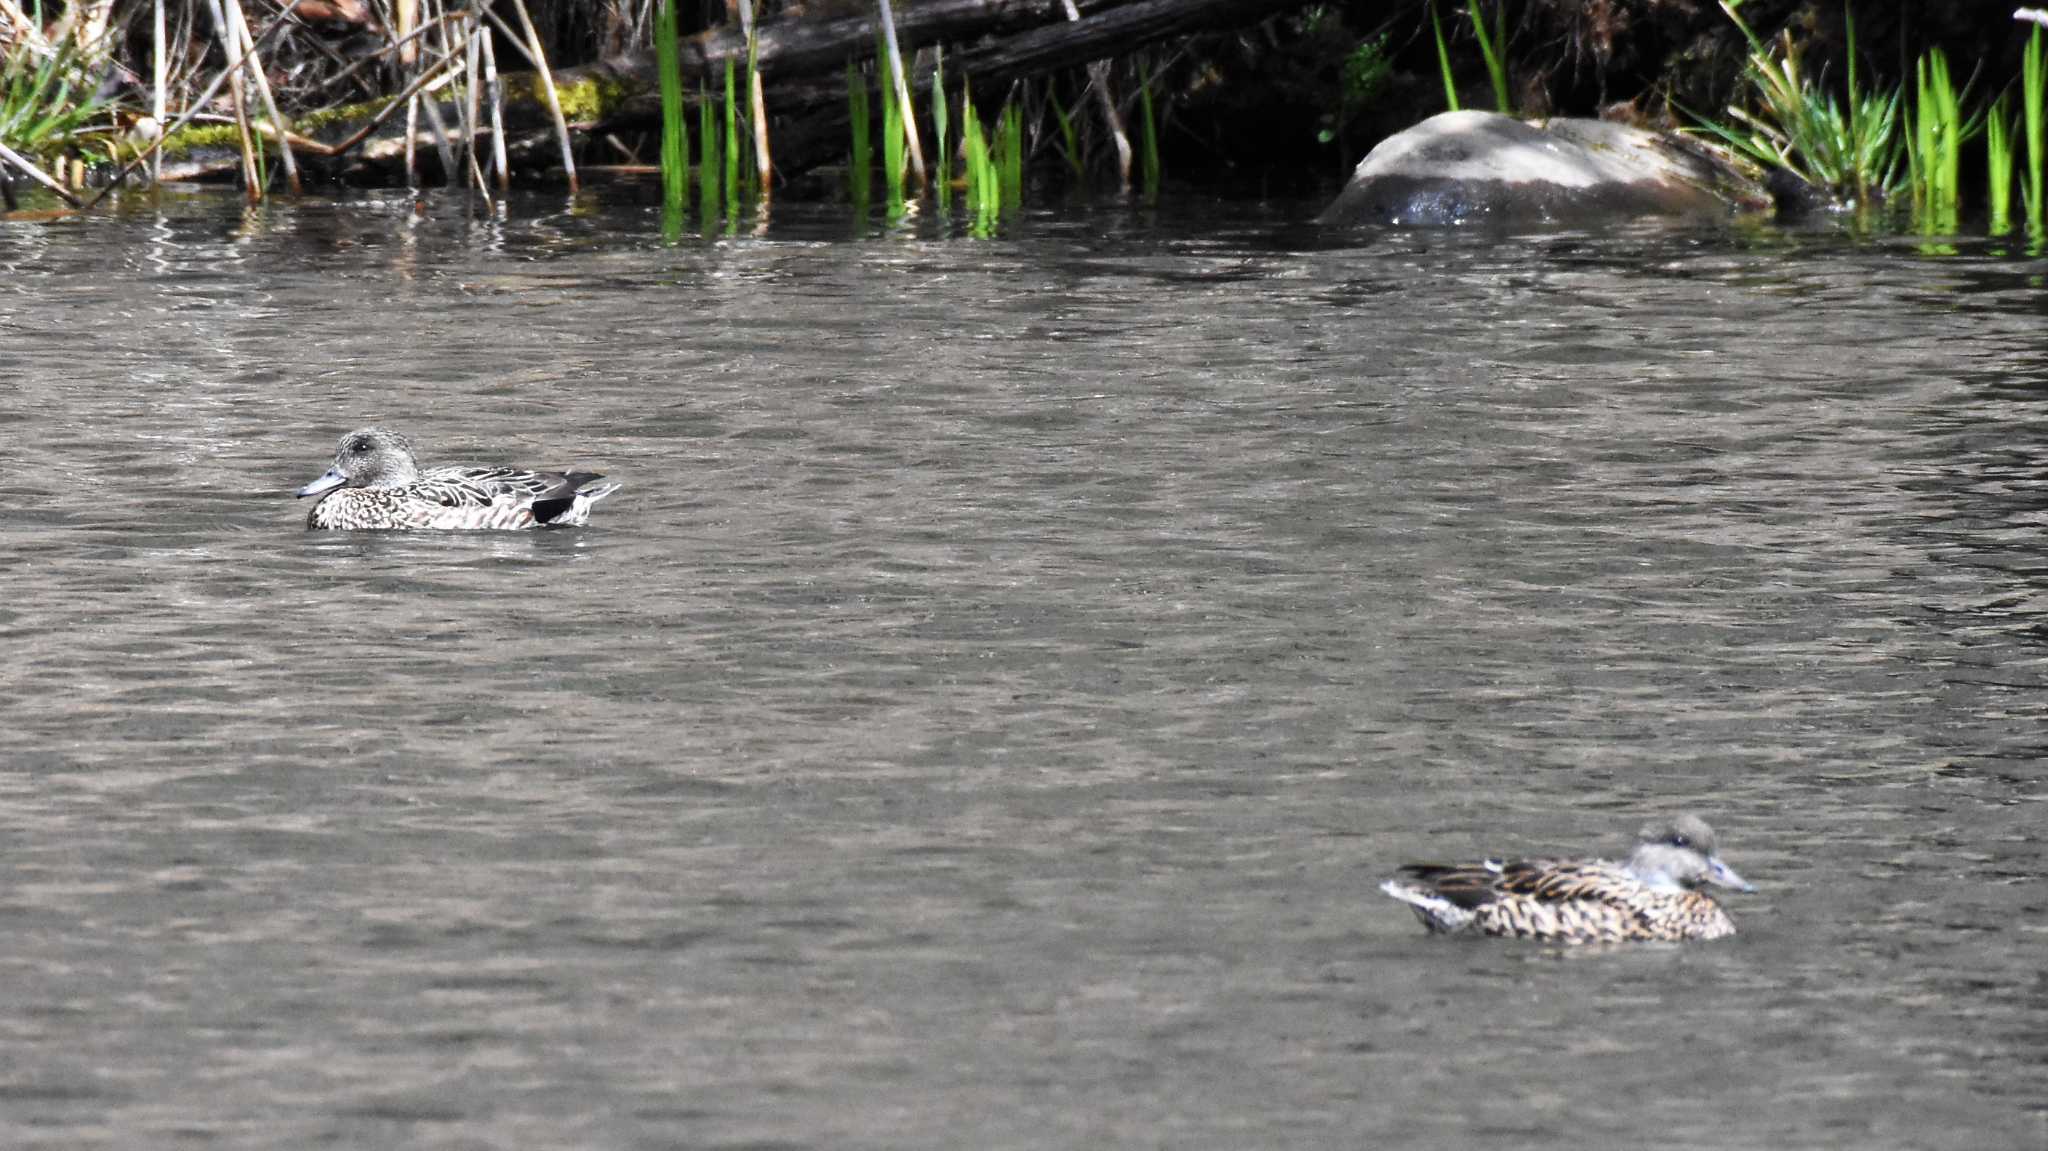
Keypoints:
(1652, 896)
(377, 484)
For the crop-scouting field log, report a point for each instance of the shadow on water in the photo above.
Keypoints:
(986, 711)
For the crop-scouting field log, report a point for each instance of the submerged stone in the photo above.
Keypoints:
(1473, 167)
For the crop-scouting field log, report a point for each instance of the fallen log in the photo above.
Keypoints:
(810, 102)
(810, 47)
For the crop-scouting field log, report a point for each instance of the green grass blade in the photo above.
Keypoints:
(860, 165)
(1069, 142)
(893, 151)
(2033, 94)
(944, 187)
(1149, 141)
(1443, 60)
(707, 159)
(1013, 155)
(1998, 163)
(1496, 67)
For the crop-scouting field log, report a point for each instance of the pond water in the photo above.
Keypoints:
(985, 714)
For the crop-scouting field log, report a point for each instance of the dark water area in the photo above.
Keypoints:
(986, 712)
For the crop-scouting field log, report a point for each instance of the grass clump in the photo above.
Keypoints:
(1851, 150)
(1934, 148)
(48, 101)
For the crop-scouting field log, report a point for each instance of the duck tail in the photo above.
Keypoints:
(570, 507)
(595, 492)
(1436, 913)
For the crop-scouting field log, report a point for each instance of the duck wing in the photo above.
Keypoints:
(464, 487)
(1543, 880)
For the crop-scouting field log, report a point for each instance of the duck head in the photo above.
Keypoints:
(1681, 853)
(369, 458)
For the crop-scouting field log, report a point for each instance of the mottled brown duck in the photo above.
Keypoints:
(1652, 896)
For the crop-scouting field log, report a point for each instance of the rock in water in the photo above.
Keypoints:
(1482, 167)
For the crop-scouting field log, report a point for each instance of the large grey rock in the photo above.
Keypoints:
(1470, 167)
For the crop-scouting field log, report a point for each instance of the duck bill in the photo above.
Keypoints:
(328, 481)
(1721, 875)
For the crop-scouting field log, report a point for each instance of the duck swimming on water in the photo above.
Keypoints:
(376, 484)
(1653, 895)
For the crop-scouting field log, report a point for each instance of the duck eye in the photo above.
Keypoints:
(359, 446)
(1679, 839)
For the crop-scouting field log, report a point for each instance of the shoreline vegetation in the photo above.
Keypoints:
(1912, 120)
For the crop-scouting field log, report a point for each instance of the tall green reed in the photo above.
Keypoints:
(984, 183)
(675, 144)
(2033, 93)
(860, 167)
(893, 152)
(1998, 162)
(708, 162)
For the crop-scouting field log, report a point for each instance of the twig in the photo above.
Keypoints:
(38, 175)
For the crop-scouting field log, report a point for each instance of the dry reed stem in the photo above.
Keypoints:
(408, 20)
(237, 90)
(450, 171)
(1098, 79)
(757, 101)
(497, 99)
(472, 71)
(905, 112)
(547, 79)
(282, 127)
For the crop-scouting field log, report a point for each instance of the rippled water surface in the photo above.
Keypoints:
(984, 715)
